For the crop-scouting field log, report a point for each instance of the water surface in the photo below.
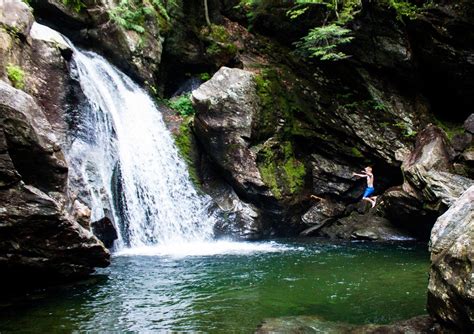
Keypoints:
(233, 287)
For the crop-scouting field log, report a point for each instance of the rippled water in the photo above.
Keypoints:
(230, 287)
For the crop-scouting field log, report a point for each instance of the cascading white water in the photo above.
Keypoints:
(126, 159)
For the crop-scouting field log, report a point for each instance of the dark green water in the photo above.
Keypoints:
(349, 282)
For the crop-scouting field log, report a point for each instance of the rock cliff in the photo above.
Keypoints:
(450, 293)
(44, 231)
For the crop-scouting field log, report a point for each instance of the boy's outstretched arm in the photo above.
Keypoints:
(360, 175)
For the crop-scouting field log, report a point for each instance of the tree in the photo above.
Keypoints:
(206, 13)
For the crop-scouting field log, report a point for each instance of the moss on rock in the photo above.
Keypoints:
(280, 170)
(184, 140)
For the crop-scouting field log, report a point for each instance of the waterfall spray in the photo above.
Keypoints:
(126, 160)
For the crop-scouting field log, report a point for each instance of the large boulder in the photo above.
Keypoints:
(226, 105)
(429, 173)
(407, 212)
(38, 232)
(430, 184)
(31, 144)
(450, 289)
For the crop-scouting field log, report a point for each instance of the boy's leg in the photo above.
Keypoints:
(370, 200)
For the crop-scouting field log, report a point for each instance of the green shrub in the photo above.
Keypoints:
(77, 5)
(16, 75)
(183, 105)
(204, 76)
(132, 14)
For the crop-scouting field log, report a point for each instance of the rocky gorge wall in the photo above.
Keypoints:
(44, 228)
(270, 129)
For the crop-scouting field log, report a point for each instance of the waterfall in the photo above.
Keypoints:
(124, 158)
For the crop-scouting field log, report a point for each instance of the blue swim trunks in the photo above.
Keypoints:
(368, 191)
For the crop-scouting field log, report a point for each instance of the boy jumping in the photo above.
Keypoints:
(367, 173)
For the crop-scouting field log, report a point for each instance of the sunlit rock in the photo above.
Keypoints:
(450, 290)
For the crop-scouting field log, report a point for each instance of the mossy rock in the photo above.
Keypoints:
(186, 144)
(281, 171)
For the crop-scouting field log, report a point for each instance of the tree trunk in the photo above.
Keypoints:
(206, 13)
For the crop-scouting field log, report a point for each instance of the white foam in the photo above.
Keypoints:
(205, 249)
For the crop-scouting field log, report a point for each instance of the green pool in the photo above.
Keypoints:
(228, 287)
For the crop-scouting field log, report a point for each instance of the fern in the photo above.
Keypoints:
(322, 42)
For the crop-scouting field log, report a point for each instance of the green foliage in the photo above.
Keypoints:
(133, 14)
(323, 42)
(356, 153)
(450, 128)
(16, 75)
(204, 76)
(77, 5)
(219, 41)
(408, 132)
(407, 9)
(183, 105)
(185, 144)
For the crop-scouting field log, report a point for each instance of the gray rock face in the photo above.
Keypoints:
(431, 185)
(226, 105)
(428, 171)
(105, 231)
(363, 227)
(450, 290)
(16, 16)
(225, 109)
(38, 232)
(239, 219)
(469, 124)
(31, 145)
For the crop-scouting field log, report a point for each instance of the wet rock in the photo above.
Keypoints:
(38, 237)
(32, 147)
(320, 214)
(40, 231)
(323, 209)
(450, 293)
(331, 177)
(239, 220)
(105, 231)
(314, 324)
(82, 214)
(363, 227)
